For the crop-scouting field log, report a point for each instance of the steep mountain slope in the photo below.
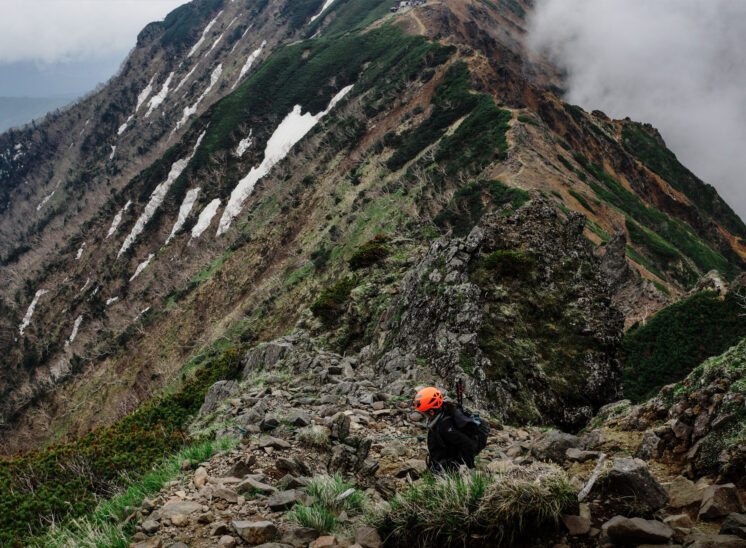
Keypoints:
(245, 150)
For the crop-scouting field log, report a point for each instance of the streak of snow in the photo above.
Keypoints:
(156, 100)
(17, 155)
(113, 152)
(291, 130)
(323, 9)
(118, 219)
(80, 253)
(242, 37)
(216, 42)
(123, 127)
(144, 94)
(30, 312)
(244, 145)
(142, 266)
(204, 34)
(95, 291)
(111, 301)
(184, 210)
(18, 146)
(142, 312)
(250, 61)
(156, 198)
(205, 218)
(183, 80)
(74, 334)
(86, 284)
(49, 197)
(189, 111)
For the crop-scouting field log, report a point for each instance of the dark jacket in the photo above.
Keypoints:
(448, 447)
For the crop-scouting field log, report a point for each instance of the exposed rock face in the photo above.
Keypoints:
(521, 309)
(634, 296)
(629, 480)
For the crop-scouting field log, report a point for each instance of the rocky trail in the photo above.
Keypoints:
(301, 413)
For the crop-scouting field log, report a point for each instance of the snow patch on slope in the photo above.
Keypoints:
(80, 252)
(85, 285)
(111, 301)
(142, 266)
(323, 9)
(183, 80)
(113, 152)
(74, 334)
(242, 37)
(190, 111)
(205, 218)
(291, 130)
(244, 144)
(250, 61)
(49, 197)
(118, 219)
(156, 100)
(123, 127)
(30, 312)
(144, 94)
(204, 34)
(156, 198)
(184, 210)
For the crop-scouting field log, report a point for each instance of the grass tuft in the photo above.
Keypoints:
(330, 497)
(466, 510)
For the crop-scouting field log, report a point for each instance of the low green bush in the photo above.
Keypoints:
(328, 306)
(370, 252)
(509, 263)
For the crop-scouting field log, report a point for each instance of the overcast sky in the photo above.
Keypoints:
(64, 47)
(679, 64)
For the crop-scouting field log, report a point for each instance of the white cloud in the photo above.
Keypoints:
(50, 31)
(679, 64)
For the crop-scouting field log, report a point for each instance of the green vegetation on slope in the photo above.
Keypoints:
(183, 25)
(470, 203)
(677, 339)
(64, 480)
(349, 16)
(309, 74)
(673, 231)
(654, 155)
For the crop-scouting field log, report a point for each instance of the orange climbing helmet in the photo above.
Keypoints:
(428, 398)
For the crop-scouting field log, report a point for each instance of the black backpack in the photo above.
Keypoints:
(472, 425)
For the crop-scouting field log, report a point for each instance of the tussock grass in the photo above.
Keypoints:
(103, 528)
(330, 496)
(470, 509)
(314, 435)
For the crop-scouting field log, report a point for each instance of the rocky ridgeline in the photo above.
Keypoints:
(301, 412)
(519, 309)
(697, 424)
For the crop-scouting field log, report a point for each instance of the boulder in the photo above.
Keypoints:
(300, 419)
(367, 537)
(394, 449)
(573, 454)
(339, 425)
(629, 479)
(719, 501)
(577, 525)
(683, 492)
(650, 447)
(200, 477)
(150, 526)
(324, 542)
(412, 467)
(250, 484)
(218, 392)
(242, 468)
(283, 500)
(227, 541)
(735, 524)
(255, 532)
(275, 443)
(637, 530)
(226, 494)
(179, 520)
(183, 507)
(269, 423)
(264, 356)
(553, 445)
(300, 536)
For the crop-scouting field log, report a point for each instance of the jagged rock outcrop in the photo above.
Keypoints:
(519, 308)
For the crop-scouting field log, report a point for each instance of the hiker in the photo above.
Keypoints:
(449, 443)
